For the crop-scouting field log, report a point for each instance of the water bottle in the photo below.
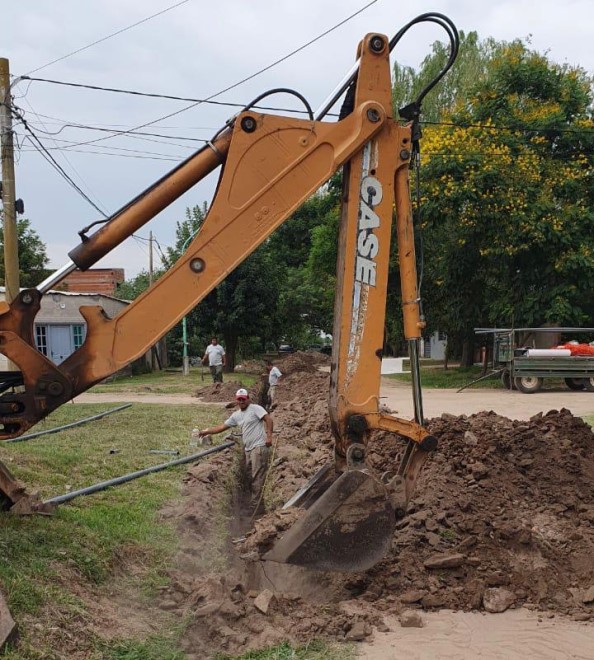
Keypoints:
(195, 440)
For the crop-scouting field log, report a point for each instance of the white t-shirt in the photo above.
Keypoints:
(273, 375)
(215, 354)
(252, 428)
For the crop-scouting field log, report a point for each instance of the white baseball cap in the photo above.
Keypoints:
(242, 394)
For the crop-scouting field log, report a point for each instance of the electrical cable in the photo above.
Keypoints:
(237, 84)
(109, 36)
(166, 159)
(107, 130)
(47, 155)
(157, 96)
(64, 155)
(142, 153)
(492, 127)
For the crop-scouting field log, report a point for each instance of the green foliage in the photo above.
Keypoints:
(470, 67)
(131, 289)
(506, 205)
(32, 255)
(281, 292)
(308, 275)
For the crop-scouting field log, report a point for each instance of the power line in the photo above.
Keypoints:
(250, 77)
(109, 36)
(67, 143)
(131, 132)
(170, 97)
(48, 157)
(171, 159)
(65, 156)
(58, 120)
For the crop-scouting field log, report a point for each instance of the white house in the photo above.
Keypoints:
(434, 346)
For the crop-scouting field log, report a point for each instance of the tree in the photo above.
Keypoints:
(242, 306)
(32, 255)
(471, 66)
(304, 248)
(507, 199)
(131, 289)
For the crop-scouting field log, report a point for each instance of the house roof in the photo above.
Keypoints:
(74, 294)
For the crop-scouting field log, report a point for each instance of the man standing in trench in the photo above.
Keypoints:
(256, 428)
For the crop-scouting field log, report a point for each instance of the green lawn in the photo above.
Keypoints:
(453, 377)
(90, 537)
(169, 382)
(314, 651)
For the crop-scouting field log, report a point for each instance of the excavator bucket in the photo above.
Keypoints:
(349, 528)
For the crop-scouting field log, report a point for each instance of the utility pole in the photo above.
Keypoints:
(154, 357)
(11, 251)
(150, 257)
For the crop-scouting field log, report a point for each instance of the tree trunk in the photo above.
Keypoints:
(446, 357)
(230, 345)
(467, 353)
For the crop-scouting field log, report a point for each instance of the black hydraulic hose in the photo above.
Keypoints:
(69, 426)
(60, 499)
(282, 90)
(452, 32)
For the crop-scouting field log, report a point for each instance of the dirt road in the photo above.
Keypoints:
(512, 404)
(513, 635)
(397, 396)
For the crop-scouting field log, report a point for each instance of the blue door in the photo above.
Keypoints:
(60, 344)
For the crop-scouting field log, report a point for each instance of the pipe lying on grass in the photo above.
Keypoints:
(60, 499)
(30, 436)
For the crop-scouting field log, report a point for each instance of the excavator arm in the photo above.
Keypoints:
(269, 166)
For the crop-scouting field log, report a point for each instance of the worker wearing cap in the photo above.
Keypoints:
(256, 428)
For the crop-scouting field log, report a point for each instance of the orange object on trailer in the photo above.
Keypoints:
(577, 349)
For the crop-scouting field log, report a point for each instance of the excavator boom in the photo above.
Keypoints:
(269, 166)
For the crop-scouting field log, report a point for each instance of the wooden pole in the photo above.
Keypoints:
(11, 251)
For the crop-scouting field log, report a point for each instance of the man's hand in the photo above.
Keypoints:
(202, 433)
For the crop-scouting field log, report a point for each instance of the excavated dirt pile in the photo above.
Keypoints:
(220, 392)
(503, 516)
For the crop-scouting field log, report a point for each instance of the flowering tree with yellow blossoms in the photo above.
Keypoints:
(507, 200)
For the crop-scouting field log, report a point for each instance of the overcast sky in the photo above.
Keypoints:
(196, 50)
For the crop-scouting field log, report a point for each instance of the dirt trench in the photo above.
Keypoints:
(503, 516)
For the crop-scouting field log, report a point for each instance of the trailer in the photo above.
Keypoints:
(524, 365)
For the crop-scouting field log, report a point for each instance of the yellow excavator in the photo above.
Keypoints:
(270, 165)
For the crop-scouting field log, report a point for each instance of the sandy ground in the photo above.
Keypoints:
(512, 404)
(513, 635)
(397, 396)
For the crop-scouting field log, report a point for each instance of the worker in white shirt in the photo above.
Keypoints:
(274, 375)
(214, 356)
